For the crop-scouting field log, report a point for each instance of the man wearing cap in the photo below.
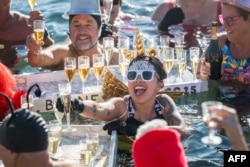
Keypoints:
(24, 141)
(84, 27)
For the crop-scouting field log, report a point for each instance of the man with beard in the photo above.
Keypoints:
(84, 28)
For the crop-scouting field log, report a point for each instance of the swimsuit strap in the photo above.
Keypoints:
(131, 111)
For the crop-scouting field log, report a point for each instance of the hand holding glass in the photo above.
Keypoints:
(65, 91)
(206, 112)
(58, 114)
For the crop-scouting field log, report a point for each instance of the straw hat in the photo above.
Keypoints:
(243, 4)
(85, 7)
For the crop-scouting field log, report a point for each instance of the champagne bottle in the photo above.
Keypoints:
(213, 55)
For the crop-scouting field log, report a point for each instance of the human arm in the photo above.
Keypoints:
(227, 119)
(50, 58)
(107, 111)
(171, 114)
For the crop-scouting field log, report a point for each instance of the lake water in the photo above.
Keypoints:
(198, 154)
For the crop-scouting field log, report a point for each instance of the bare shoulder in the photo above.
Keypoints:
(166, 101)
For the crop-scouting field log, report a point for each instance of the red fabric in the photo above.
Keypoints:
(159, 148)
(8, 87)
(170, 4)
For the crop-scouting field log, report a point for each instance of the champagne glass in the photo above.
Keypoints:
(98, 65)
(107, 8)
(108, 48)
(64, 92)
(92, 140)
(194, 58)
(39, 29)
(55, 135)
(206, 112)
(123, 45)
(69, 68)
(32, 4)
(167, 59)
(83, 69)
(181, 61)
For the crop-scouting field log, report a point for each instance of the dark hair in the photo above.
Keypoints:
(245, 14)
(158, 66)
(97, 18)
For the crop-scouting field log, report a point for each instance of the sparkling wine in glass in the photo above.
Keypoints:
(194, 59)
(69, 68)
(98, 65)
(32, 4)
(167, 59)
(39, 29)
(123, 46)
(108, 48)
(206, 113)
(83, 69)
(65, 95)
(181, 61)
(55, 135)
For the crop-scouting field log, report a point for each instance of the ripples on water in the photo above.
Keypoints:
(198, 154)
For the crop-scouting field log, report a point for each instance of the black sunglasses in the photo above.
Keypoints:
(115, 2)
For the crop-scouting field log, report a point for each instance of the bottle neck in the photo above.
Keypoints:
(214, 32)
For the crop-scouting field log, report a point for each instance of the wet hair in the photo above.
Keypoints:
(158, 66)
(97, 18)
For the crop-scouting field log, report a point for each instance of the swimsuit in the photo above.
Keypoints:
(132, 124)
(233, 68)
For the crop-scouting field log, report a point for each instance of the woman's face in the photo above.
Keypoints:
(234, 24)
(143, 82)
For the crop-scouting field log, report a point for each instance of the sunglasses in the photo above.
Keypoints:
(228, 21)
(115, 2)
(146, 76)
